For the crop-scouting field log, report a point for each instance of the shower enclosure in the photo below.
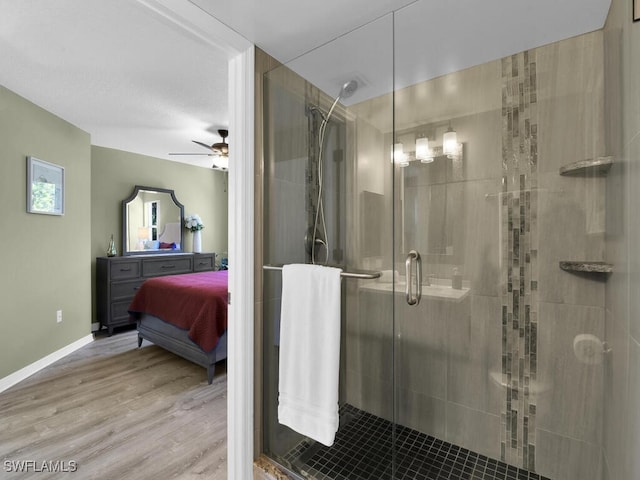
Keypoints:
(473, 354)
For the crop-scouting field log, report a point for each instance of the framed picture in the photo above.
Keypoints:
(636, 10)
(45, 187)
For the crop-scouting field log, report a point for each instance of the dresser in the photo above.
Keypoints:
(118, 278)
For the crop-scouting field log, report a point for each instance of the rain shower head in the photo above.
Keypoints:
(348, 89)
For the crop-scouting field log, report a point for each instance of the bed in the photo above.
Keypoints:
(186, 315)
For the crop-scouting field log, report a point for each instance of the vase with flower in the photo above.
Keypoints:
(194, 224)
(112, 251)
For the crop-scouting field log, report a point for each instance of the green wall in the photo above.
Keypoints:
(45, 260)
(114, 173)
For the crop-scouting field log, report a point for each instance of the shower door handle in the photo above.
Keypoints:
(413, 257)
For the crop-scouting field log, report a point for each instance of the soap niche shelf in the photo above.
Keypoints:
(596, 166)
(586, 267)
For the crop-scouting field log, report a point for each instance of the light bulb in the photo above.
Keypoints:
(423, 152)
(450, 142)
(398, 156)
(221, 162)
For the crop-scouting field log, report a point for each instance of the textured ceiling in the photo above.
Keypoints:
(148, 76)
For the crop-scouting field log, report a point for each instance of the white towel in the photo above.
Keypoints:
(310, 351)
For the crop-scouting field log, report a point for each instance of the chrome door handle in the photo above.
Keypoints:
(418, 277)
(413, 299)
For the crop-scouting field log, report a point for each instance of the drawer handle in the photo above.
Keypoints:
(128, 269)
(203, 263)
(168, 266)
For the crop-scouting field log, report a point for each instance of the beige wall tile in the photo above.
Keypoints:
(422, 412)
(469, 374)
(564, 458)
(615, 399)
(473, 429)
(570, 398)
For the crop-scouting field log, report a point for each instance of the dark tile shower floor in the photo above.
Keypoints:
(363, 451)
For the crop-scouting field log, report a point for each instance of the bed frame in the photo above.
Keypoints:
(177, 341)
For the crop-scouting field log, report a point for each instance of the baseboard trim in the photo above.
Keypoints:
(10, 380)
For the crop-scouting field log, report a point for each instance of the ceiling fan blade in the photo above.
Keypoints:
(208, 147)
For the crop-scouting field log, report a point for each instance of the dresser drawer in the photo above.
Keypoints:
(203, 263)
(125, 269)
(124, 290)
(170, 266)
(120, 313)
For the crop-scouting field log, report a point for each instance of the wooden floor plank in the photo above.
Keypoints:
(121, 413)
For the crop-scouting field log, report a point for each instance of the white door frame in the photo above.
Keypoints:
(241, 283)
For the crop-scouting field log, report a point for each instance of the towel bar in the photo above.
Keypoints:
(363, 275)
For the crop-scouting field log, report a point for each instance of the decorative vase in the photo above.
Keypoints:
(197, 242)
(111, 251)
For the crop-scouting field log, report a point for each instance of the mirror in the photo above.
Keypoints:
(433, 209)
(432, 194)
(152, 221)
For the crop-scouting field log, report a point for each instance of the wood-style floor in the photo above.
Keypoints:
(120, 413)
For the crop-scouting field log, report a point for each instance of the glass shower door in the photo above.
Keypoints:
(491, 380)
(447, 241)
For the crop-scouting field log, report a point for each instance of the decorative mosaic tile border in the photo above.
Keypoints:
(519, 231)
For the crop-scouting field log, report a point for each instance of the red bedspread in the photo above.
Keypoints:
(196, 302)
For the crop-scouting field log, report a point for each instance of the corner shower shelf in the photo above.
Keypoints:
(587, 267)
(598, 166)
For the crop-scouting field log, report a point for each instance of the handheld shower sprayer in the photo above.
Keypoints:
(346, 91)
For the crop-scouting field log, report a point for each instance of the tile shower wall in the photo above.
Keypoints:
(496, 373)
(569, 407)
(622, 386)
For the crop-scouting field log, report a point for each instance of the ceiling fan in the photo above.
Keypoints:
(219, 150)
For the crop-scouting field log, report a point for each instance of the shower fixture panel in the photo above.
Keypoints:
(319, 230)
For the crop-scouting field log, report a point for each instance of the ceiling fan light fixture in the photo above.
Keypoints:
(222, 163)
(222, 148)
